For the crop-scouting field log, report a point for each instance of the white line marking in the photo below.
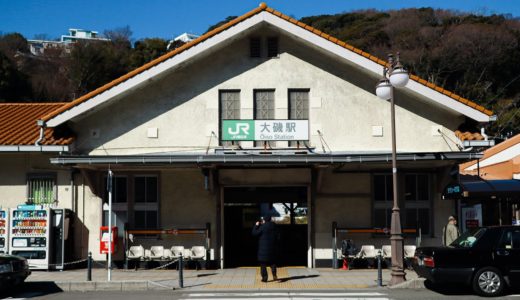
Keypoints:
(286, 294)
(322, 296)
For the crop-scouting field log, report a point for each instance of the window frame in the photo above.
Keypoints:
(272, 41)
(404, 205)
(252, 40)
(270, 144)
(131, 205)
(42, 176)
(221, 117)
(289, 109)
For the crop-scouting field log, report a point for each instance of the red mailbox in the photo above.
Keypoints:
(104, 239)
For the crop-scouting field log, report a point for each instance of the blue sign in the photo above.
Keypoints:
(452, 191)
(29, 207)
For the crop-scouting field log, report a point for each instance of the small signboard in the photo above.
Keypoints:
(29, 207)
(471, 216)
(265, 130)
(472, 224)
(452, 191)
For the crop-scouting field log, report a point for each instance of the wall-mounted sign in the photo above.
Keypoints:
(265, 130)
(452, 191)
(471, 217)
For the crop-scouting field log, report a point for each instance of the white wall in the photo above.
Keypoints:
(183, 105)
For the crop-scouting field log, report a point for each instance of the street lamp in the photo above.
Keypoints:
(394, 76)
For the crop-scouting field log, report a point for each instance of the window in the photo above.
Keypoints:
(510, 239)
(229, 105)
(298, 107)
(263, 108)
(41, 188)
(255, 47)
(272, 47)
(140, 207)
(119, 198)
(417, 202)
(383, 200)
(416, 209)
(146, 199)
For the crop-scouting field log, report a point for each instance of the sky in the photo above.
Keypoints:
(170, 18)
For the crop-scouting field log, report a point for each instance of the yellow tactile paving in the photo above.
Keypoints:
(285, 281)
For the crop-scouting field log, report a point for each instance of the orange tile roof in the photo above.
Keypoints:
(498, 170)
(468, 136)
(262, 7)
(18, 124)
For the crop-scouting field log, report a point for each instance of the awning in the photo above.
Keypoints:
(483, 189)
(258, 159)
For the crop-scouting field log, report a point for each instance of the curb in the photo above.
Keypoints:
(144, 285)
(86, 286)
(413, 284)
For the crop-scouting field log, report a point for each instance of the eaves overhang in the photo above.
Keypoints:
(34, 148)
(304, 159)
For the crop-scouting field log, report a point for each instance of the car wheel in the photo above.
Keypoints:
(488, 282)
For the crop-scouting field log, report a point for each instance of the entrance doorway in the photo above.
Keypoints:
(243, 207)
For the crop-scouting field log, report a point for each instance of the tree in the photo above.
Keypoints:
(226, 20)
(13, 84)
(147, 50)
(12, 43)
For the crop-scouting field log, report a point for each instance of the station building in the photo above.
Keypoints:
(161, 130)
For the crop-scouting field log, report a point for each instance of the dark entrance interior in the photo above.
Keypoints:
(243, 206)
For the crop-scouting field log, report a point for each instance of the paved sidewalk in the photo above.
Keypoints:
(289, 278)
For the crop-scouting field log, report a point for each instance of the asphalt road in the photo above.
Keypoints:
(38, 291)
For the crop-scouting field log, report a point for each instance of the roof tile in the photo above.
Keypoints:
(18, 124)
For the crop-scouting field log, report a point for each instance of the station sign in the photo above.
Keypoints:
(265, 130)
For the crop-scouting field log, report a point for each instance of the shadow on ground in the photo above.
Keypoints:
(30, 290)
(208, 274)
(448, 289)
(458, 289)
(285, 279)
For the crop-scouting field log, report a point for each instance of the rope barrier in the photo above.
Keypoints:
(169, 263)
(64, 264)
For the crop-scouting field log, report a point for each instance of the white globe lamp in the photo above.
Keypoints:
(384, 89)
(399, 77)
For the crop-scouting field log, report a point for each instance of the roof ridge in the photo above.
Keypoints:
(262, 7)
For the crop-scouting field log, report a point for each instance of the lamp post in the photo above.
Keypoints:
(394, 75)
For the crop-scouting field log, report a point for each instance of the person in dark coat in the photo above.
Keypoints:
(267, 236)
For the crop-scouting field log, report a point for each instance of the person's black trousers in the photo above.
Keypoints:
(263, 270)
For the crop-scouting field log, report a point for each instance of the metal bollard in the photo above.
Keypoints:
(89, 266)
(379, 270)
(181, 279)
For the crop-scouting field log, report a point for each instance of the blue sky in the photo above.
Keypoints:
(169, 18)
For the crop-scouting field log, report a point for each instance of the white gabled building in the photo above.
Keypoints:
(160, 130)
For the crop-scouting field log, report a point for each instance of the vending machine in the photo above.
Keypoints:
(61, 240)
(4, 230)
(30, 235)
(41, 235)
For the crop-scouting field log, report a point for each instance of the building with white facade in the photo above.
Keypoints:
(164, 131)
(38, 47)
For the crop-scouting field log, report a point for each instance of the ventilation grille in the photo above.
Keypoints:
(272, 47)
(254, 46)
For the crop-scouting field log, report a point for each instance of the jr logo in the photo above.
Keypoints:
(244, 127)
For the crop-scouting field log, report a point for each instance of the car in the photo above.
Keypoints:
(13, 270)
(487, 259)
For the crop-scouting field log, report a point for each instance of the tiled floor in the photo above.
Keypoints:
(239, 278)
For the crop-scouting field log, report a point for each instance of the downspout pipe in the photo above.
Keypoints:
(42, 125)
(483, 133)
